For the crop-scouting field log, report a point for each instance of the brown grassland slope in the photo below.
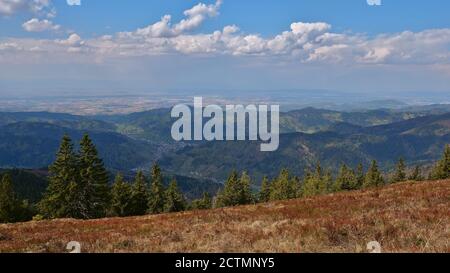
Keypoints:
(406, 217)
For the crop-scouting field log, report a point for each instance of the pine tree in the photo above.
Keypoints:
(264, 193)
(400, 173)
(120, 197)
(203, 203)
(416, 175)
(175, 201)
(139, 195)
(93, 187)
(346, 180)
(157, 192)
(373, 176)
(9, 205)
(64, 171)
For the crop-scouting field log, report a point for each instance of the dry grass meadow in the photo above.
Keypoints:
(407, 217)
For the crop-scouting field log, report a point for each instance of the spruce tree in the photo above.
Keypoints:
(360, 176)
(400, 172)
(175, 201)
(237, 191)
(264, 193)
(203, 203)
(245, 192)
(77, 206)
(416, 175)
(281, 188)
(325, 183)
(310, 183)
(64, 171)
(373, 176)
(139, 195)
(207, 202)
(446, 159)
(9, 205)
(316, 183)
(94, 181)
(120, 197)
(157, 192)
(442, 168)
(296, 187)
(225, 196)
(346, 180)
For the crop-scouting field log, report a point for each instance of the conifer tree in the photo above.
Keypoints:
(446, 159)
(281, 188)
(227, 195)
(442, 168)
(416, 175)
(120, 197)
(93, 187)
(236, 191)
(139, 195)
(175, 201)
(157, 192)
(264, 193)
(373, 176)
(360, 176)
(203, 203)
(64, 171)
(310, 183)
(400, 172)
(346, 180)
(245, 192)
(9, 205)
(77, 205)
(316, 183)
(325, 183)
(296, 187)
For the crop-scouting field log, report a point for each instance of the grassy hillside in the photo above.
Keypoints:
(407, 217)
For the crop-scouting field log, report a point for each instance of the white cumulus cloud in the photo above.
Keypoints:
(36, 25)
(301, 42)
(11, 7)
(194, 18)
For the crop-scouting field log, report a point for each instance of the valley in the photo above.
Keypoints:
(134, 141)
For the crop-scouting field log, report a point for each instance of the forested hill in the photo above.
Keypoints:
(129, 142)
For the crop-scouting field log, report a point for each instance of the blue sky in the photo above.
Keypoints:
(267, 17)
(296, 44)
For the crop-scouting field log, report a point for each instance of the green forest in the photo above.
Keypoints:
(79, 187)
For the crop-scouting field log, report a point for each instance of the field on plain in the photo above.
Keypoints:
(405, 217)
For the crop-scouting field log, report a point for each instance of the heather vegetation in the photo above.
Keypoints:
(79, 187)
(402, 217)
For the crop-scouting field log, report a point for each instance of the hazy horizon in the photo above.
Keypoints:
(50, 48)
